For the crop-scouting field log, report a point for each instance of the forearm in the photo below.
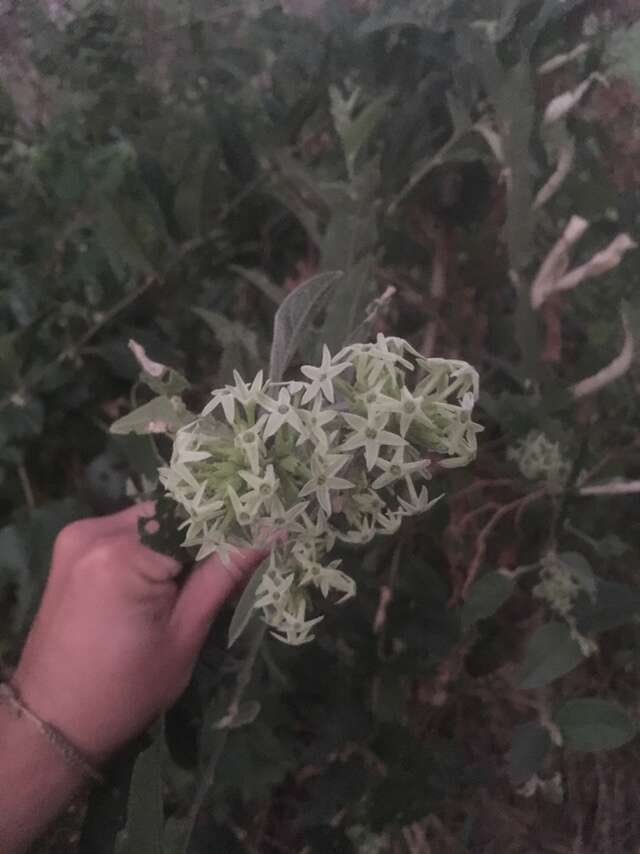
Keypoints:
(36, 782)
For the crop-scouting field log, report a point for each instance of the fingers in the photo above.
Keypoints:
(207, 588)
(77, 538)
(154, 567)
(127, 519)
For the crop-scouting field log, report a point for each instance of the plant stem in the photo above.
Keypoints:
(208, 778)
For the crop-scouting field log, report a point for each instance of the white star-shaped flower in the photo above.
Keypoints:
(243, 509)
(407, 407)
(418, 502)
(369, 433)
(263, 489)
(363, 533)
(274, 593)
(396, 468)
(250, 442)
(324, 468)
(328, 578)
(322, 377)
(314, 421)
(296, 630)
(281, 519)
(388, 523)
(282, 411)
(240, 392)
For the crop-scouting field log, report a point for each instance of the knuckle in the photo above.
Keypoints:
(100, 554)
(103, 551)
(71, 537)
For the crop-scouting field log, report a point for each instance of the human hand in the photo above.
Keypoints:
(115, 642)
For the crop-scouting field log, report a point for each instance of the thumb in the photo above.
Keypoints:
(207, 588)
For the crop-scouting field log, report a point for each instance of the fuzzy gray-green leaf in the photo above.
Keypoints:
(143, 832)
(485, 597)
(295, 316)
(550, 653)
(160, 415)
(591, 724)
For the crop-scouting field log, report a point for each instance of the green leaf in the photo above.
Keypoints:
(118, 242)
(551, 652)
(160, 378)
(529, 746)
(275, 293)
(591, 724)
(581, 571)
(160, 415)
(144, 830)
(244, 608)
(294, 318)
(486, 595)
(240, 346)
(615, 604)
(245, 714)
(354, 132)
(623, 52)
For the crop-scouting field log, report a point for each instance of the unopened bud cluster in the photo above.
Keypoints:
(339, 456)
(538, 458)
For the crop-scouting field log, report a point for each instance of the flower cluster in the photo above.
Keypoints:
(338, 456)
(562, 579)
(538, 458)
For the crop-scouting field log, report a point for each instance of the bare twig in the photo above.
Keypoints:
(562, 104)
(25, 483)
(437, 290)
(613, 371)
(481, 544)
(562, 59)
(566, 157)
(208, 778)
(70, 352)
(556, 263)
(603, 261)
(482, 484)
(553, 276)
(614, 487)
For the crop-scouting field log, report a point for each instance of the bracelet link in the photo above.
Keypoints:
(72, 756)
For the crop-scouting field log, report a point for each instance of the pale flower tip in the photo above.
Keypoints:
(154, 369)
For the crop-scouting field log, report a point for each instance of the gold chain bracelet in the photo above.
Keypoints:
(72, 756)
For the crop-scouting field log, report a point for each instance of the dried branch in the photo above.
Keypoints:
(516, 506)
(556, 263)
(603, 261)
(614, 487)
(562, 59)
(437, 289)
(553, 276)
(613, 371)
(563, 167)
(562, 104)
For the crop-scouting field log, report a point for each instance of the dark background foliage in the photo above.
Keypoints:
(169, 172)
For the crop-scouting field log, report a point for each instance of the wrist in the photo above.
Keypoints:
(21, 744)
(36, 782)
(61, 724)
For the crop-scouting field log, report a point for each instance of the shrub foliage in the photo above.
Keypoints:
(171, 172)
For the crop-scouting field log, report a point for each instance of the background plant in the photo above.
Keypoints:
(170, 173)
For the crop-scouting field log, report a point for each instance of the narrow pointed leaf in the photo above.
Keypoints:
(144, 830)
(244, 608)
(294, 318)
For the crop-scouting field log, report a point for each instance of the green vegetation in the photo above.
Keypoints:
(171, 172)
